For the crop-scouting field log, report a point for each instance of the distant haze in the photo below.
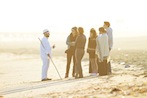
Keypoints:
(127, 17)
(25, 40)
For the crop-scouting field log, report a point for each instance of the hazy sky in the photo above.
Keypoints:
(127, 17)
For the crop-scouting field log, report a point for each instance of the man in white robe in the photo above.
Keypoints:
(45, 53)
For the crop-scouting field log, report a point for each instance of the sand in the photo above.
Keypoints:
(20, 78)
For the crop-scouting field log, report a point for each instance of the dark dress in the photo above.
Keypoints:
(92, 53)
(91, 45)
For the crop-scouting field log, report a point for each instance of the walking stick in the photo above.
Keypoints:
(51, 60)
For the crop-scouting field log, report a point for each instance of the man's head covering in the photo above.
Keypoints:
(45, 30)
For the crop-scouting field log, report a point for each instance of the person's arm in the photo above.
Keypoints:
(107, 48)
(77, 41)
(110, 38)
(47, 47)
(97, 47)
(84, 41)
(88, 45)
(68, 42)
(100, 44)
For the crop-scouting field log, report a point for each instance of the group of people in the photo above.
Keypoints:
(99, 47)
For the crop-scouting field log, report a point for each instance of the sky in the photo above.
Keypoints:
(127, 17)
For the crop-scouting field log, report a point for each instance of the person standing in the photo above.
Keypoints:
(45, 53)
(93, 66)
(71, 51)
(102, 51)
(110, 39)
(79, 52)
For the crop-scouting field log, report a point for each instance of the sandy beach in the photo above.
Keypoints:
(20, 72)
(119, 27)
(20, 78)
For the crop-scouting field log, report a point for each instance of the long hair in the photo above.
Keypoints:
(93, 31)
(75, 29)
(80, 30)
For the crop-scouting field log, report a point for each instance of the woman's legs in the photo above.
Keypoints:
(94, 66)
(79, 55)
(69, 56)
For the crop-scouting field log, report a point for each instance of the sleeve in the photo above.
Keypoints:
(68, 41)
(110, 38)
(47, 47)
(99, 46)
(77, 41)
(88, 46)
(107, 47)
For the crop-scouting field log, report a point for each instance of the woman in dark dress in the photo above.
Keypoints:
(93, 66)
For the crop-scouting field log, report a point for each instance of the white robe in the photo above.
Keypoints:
(45, 49)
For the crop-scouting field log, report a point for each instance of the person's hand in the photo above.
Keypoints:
(53, 46)
(100, 60)
(48, 55)
(72, 43)
(109, 49)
